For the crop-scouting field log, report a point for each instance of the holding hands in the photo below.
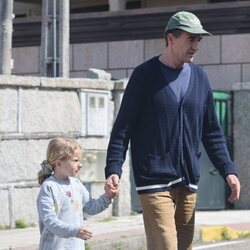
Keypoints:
(112, 186)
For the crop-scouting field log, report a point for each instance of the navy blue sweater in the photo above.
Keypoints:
(165, 135)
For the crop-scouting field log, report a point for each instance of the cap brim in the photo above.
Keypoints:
(195, 30)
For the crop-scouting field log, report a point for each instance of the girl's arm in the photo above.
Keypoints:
(48, 210)
(94, 206)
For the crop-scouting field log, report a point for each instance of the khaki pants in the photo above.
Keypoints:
(169, 219)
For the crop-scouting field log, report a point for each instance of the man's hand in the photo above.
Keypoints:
(110, 190)
(112, 186)
(234, 184)
(114, 180)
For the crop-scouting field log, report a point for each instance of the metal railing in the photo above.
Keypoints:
(10, 187)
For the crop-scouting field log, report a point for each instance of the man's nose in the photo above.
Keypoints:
(195, 46)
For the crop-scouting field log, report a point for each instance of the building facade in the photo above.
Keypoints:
(35, 109)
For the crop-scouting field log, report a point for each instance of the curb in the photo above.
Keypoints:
(219, 233)
(127, 239)
(132, 239)
(122, 243)
(137, 241)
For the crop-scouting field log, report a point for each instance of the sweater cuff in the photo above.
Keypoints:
(106, 199)
(109, 170)
(230, 169)
(74, 231)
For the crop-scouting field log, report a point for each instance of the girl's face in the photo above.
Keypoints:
(69, 167)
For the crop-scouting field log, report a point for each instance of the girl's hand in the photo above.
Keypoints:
(111, 190)
(84, 234)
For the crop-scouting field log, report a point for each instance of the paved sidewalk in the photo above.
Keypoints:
(128, 232)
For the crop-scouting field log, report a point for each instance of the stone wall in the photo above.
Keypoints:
(33, 110)
(242, 139)
(225, 58)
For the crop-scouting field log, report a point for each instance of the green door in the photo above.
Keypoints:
(212, 189)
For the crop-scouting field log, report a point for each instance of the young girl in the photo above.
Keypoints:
(63, 198)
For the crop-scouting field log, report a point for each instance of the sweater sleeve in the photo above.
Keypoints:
(93, 206)
(47, 214)
(123, 126)
(214, 141)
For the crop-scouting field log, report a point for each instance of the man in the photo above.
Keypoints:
(166, 112)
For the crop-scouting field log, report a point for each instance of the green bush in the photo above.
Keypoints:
(20, 224)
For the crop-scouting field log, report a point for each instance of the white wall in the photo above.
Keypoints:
(33, 110)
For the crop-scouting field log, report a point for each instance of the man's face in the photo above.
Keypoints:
(184, 47)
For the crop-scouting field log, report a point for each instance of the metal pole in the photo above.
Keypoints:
(63, 38)
(19, 110)
(117, 5)
(44, 39)
(49, 60)
(55, 38)
(6, 14)
(54, 18)
(11, 206)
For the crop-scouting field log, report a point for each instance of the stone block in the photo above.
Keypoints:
(129, 72)
(153, 47)
(4, 215)
(246, 72)
(89, 55)
(222, 77)
(20, 81)
(125, 54)
(26, 60)
(8, 110)
(76, 83)
(209, 51)
(20, 159)
(71, 57)
(242, 143)
(98, 74)
(118, 73)
(78, 74)
(235, 48)
(26, 211)
(50, 111)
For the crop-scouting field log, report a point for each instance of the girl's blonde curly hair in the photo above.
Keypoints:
(61, 148)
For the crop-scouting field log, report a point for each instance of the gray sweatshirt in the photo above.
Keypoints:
(60, 205)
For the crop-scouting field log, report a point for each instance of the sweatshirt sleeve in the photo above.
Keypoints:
(93, 206)
(47, 211)
(123, 126)
(214, 140)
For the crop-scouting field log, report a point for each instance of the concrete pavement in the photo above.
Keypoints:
(128, 232)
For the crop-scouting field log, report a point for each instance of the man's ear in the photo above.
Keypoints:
(170, 38)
